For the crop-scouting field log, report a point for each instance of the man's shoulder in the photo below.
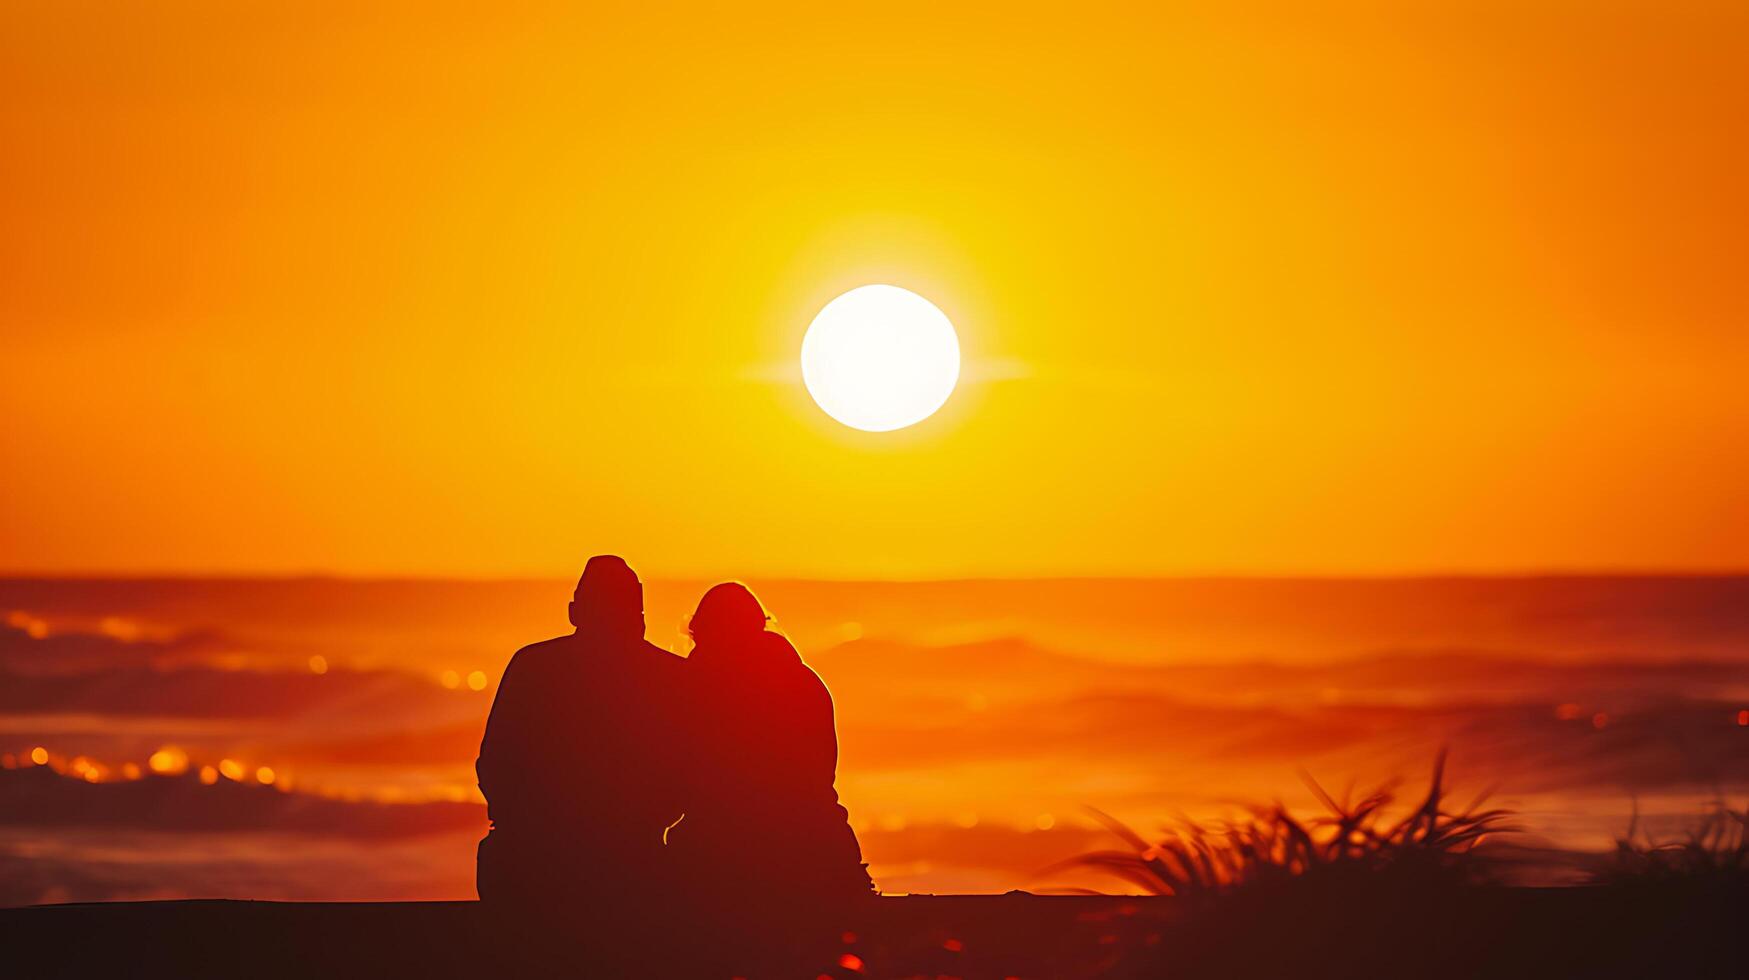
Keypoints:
(664, 659)
(574, 649)
(541, 652)
(549, 646)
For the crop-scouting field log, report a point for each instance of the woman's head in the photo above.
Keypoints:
(727, 611)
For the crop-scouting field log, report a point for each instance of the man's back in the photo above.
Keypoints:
(580, 766)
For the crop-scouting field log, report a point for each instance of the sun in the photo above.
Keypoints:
(880, 358)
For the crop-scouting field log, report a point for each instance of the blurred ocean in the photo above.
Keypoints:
(313, 738)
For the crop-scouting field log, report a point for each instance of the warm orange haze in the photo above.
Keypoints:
(1251, 289)
(1153, 409)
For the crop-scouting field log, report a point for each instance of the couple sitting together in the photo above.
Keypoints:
(616, 773)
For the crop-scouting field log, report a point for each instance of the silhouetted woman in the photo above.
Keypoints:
(763, 832)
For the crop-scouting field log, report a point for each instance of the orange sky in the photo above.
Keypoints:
(482, 289)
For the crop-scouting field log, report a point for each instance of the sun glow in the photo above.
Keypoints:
(880, 358)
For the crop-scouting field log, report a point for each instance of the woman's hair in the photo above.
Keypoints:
(729, 609)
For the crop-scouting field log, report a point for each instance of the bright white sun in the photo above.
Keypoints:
(880, 358)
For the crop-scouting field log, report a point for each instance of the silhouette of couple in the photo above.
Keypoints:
(620, 776)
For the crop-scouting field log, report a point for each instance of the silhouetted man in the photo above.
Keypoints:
(580, 760)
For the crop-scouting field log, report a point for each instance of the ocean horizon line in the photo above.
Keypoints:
(1528, 575)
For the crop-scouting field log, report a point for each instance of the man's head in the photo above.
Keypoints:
(609, 599)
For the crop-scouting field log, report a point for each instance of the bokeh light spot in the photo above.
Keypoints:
(168, 761)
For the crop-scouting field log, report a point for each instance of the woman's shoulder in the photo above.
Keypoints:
(777, 648)
(776, 644)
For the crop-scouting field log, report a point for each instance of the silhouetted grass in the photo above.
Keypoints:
(1356, 841)
(1715, 852)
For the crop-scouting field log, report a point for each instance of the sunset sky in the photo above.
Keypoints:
(1262, 288)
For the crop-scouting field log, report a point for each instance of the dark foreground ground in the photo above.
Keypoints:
(1575, 932)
